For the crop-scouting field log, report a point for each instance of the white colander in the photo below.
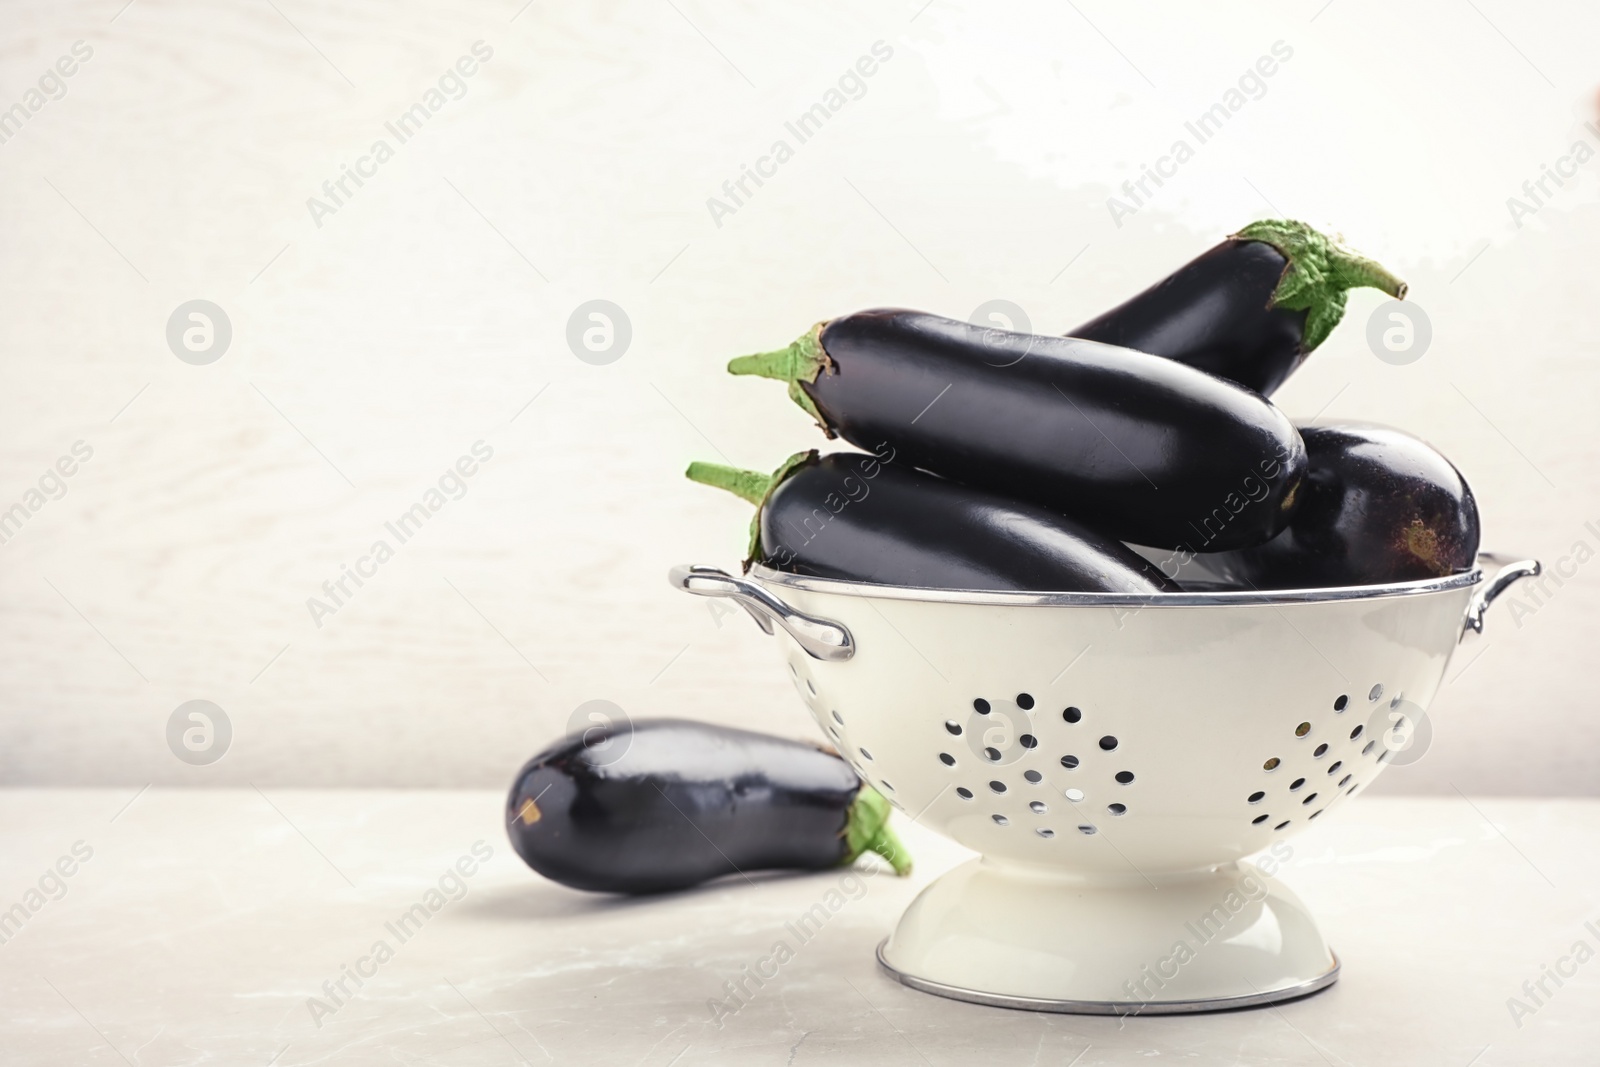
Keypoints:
(1112, 758)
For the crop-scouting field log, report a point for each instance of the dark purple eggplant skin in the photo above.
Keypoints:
(665, 804)
(870, 518)
(1140, 448)
(1215, 313)
(1250, 309)
(1380, 506)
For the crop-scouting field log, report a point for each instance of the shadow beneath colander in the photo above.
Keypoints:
(1233, 1010)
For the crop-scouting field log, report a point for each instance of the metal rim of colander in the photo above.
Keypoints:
(1240, 597)
(1257, 999)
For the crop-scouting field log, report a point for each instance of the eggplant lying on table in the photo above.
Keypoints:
(1143, 448)
(870, 518)
(1249, 310)
(1380, 506)
(667, 804)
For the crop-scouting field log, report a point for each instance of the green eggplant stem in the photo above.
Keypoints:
(802, 360)
(1320, 273)
(750, 486)
(867, 830)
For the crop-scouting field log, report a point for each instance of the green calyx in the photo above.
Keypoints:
(1320, 272)
(800, 361)
(751, 486)
(866, 829)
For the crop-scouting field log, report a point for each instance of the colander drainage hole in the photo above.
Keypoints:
(1024, 701)
(1377, 691)
(1074, 795)
(838, 718)
(1087, 829)
(1033, 776)
(992, 755)
(947, 759)
(1296, 784)
(952, 727)
(1309, 799)
(1108, 743)
(1028, 741)
(1282, 824)
(1259, 819)
(1352, 789)
(1072, 715)
(811, 686)
(1334, 768)
(1316, 813)
(998, 787)
(1038, 807)
(885, 783)
(1303, 729)
(1271, 764)
(1369, 747)
(963, 792)
(1069, 762)
(1000, 820)
(1117, 809)
(864, 753)
(1341, 703)
(1257, 797)
(1125, 777)
(1343, 781)
(1356, 732)
(1394, 701)
(981, 706)
(1322, 750)
(1045, 831)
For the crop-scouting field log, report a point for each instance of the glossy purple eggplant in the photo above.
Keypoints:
(1250, 309)
(870, 518)
(1380, 506)
(1139, 448)
(665, 804)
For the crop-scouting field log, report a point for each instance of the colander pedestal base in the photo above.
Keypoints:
(1045, 941)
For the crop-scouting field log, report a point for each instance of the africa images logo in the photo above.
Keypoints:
(851, 85)
(452, 85)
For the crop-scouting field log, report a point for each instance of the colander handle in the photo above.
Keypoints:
(821, 638)
(1509, 573)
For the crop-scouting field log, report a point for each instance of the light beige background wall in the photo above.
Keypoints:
(429, 312)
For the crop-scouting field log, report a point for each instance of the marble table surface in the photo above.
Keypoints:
(171, 926)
